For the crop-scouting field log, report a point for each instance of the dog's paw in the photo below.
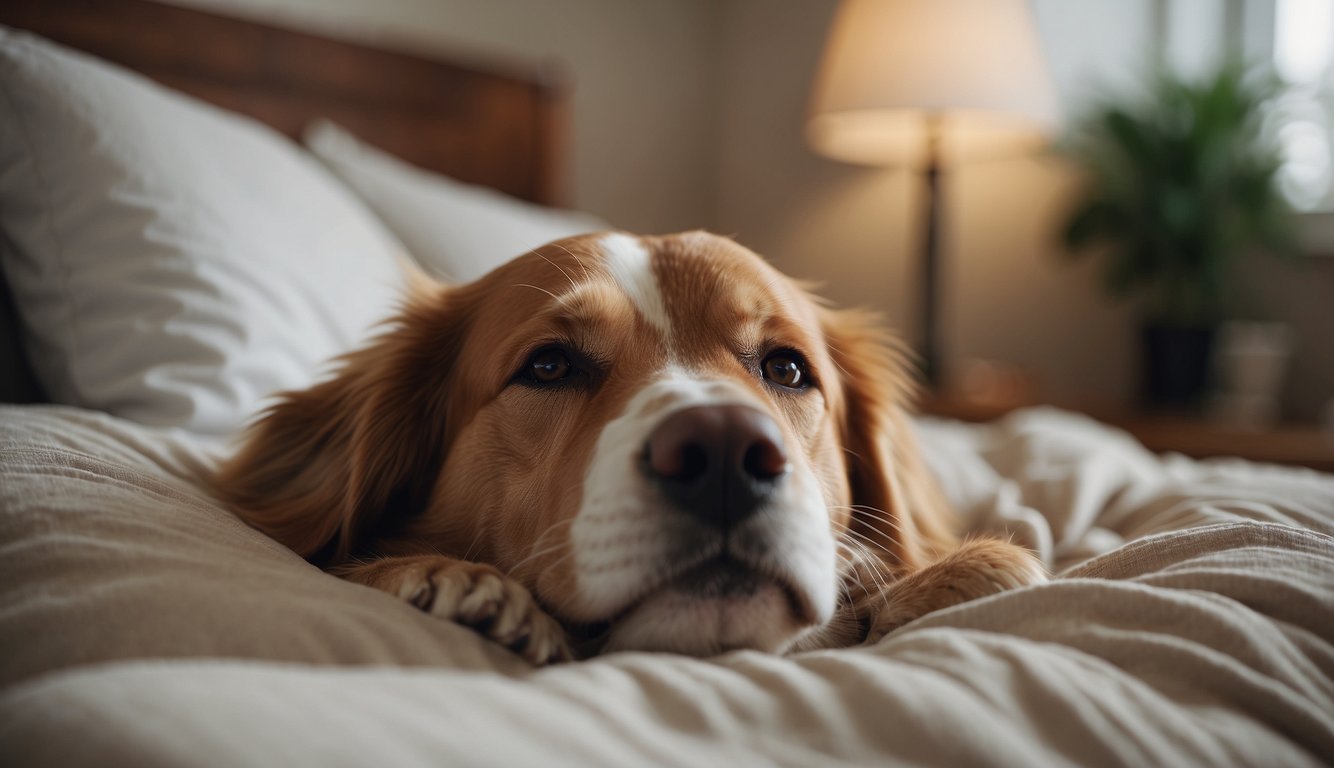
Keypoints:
(472, 594)
(979, 568)
(493, 604)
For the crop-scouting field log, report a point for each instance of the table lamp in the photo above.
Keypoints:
(927, 84)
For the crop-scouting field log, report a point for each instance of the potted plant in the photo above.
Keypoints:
(1180, 182)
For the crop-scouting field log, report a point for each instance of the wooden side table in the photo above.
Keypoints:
(1304, 445)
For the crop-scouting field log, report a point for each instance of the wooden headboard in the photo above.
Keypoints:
(493, 126)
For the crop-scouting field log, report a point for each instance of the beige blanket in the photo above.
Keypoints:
(142, 625)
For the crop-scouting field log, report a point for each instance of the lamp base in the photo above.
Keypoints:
(929, 345)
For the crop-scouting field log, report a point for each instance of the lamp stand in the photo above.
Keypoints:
(929, 349)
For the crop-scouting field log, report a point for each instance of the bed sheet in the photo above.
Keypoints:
(1192, 622)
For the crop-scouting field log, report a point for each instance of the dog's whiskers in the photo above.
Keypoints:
(573, 284)
(537, 288)
(862, 515)
(866, 541)
(576, 258)
(871, 513)
(538, 550)
(865, 565)
(542, 574)
(476, 539)
(852, 453)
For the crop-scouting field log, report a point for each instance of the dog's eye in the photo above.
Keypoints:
(549, 366)
(785, 369)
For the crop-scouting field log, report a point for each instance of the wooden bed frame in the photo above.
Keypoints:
(498, 125)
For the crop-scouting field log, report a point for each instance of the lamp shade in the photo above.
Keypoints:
(894, 70)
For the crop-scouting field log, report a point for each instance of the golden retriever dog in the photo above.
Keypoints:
(623, 443)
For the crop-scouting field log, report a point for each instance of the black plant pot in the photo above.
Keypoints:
(1176, 366)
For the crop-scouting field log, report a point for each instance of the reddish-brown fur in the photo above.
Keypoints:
(419, 471)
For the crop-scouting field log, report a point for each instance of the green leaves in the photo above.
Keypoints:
(1178, 184)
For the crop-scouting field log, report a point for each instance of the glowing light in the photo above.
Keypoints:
(1303, 39)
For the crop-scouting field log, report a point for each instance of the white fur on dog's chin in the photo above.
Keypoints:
(672, 621)
(628, 545)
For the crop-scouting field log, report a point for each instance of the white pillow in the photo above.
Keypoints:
(171, 262)
(456, 231)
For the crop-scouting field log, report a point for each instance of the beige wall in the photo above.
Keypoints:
(642, 112)
(1007, 295)
(689, 113)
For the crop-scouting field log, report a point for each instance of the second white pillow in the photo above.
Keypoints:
(456, 231)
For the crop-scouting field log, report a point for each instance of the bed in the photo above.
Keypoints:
(1191, 621)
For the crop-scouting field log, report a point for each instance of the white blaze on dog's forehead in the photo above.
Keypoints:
(676, 388)
(631, 267)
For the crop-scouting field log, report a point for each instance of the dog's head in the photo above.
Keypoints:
(660, 436)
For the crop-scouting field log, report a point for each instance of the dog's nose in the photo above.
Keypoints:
(717, 462)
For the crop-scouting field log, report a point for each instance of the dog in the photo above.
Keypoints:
(623, 443)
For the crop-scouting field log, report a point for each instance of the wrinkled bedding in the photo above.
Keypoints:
(1191, 622)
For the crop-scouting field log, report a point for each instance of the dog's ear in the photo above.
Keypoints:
(896, 501)
(328, 467)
